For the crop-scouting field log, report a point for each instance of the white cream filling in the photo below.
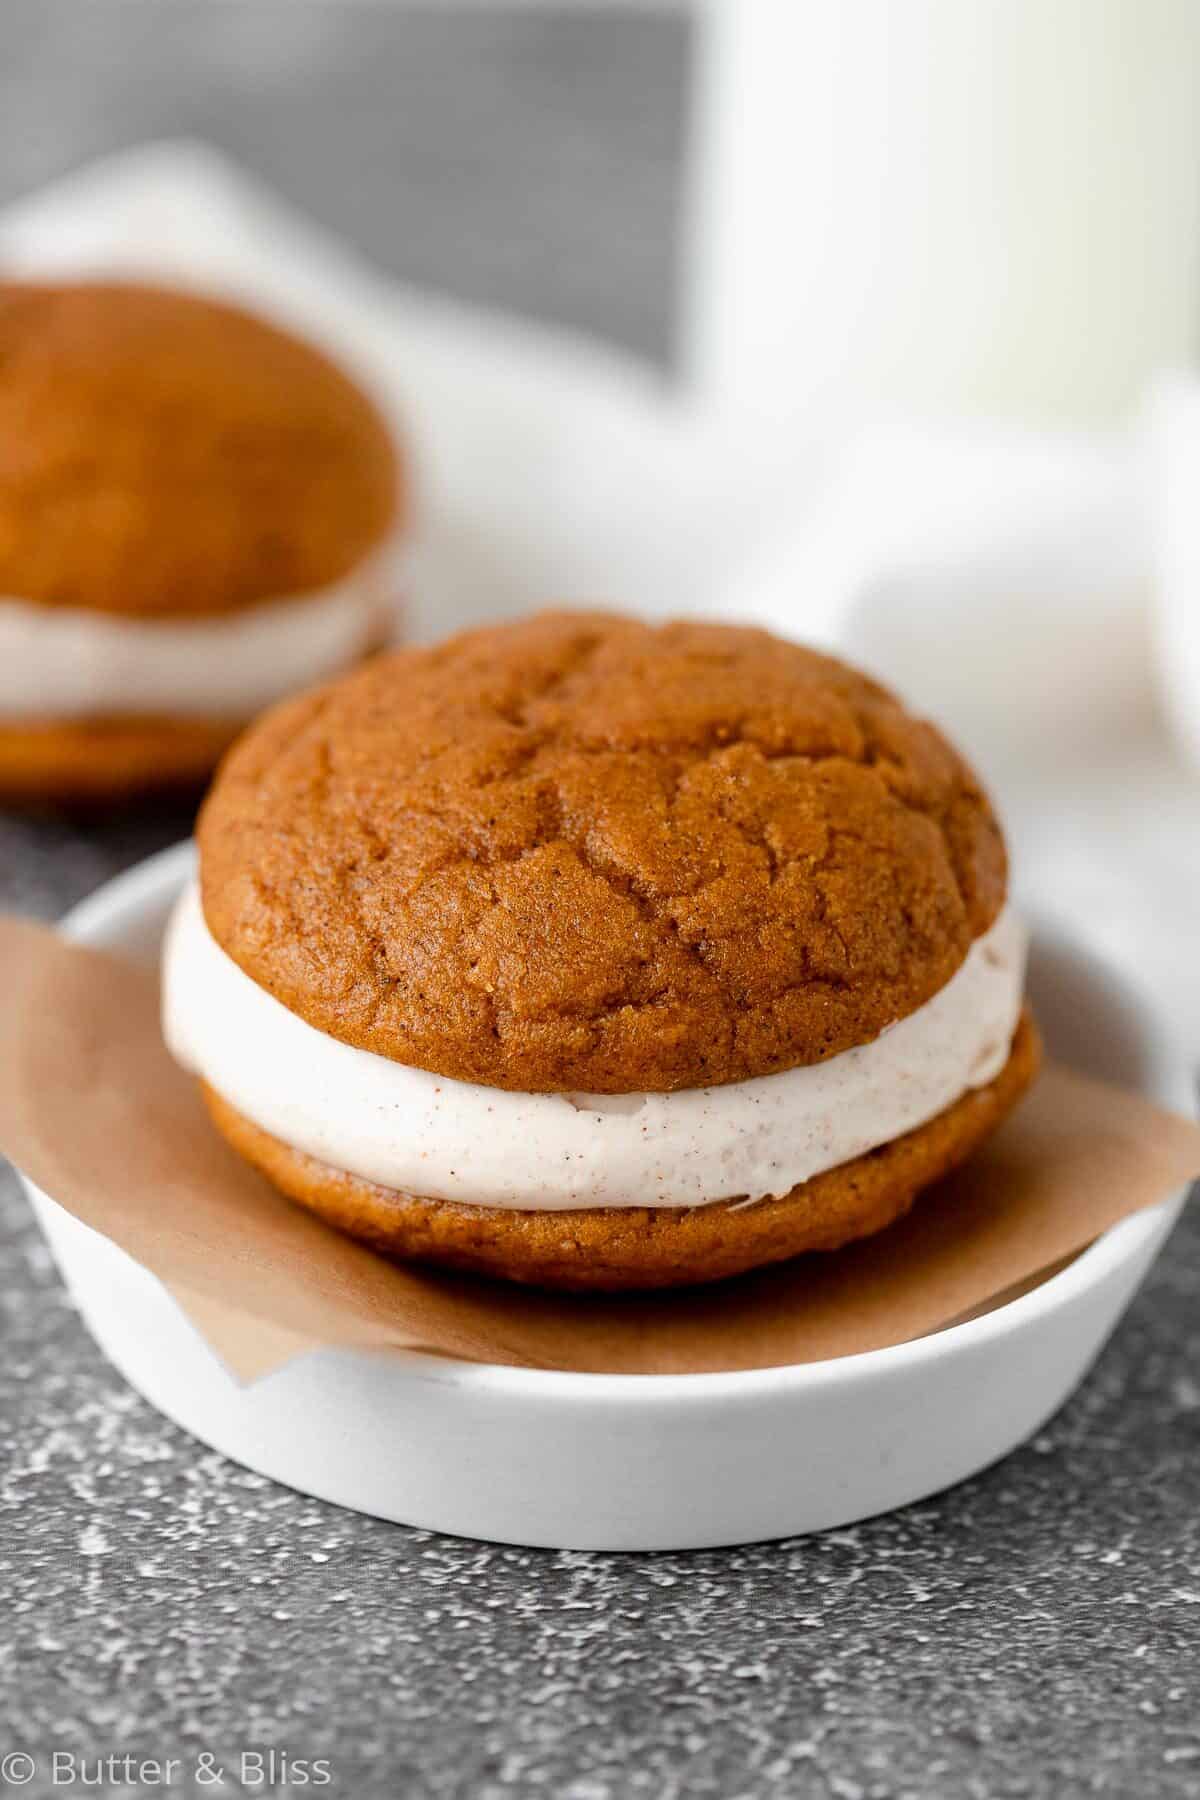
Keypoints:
(425, 1134)
(65, 663)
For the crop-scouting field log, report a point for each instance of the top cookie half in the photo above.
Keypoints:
(167, 455)
(580, 853)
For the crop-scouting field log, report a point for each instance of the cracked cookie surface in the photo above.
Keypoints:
(577, 852)
(162, 454)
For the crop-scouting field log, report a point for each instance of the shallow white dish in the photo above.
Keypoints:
(638, 1462)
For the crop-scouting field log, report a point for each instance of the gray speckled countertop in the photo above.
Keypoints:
(1035, 1632)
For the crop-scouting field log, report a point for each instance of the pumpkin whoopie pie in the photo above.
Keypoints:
(596, 955)
(198, 514)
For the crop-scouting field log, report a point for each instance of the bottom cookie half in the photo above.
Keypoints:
(87, 762)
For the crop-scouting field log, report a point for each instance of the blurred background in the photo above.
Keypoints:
(876, 325)
(526, 158)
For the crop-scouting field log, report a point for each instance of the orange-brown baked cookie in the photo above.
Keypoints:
(165, 455)
(644, 1247)
(166, 461)
(579, 852)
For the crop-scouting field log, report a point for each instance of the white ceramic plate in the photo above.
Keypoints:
(638, 1462)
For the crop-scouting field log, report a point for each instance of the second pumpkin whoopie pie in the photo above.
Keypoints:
(199, 513)
(592, 954)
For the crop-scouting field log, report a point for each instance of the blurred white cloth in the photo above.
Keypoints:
(1173, 488)
(1001, 583)
(999, 579)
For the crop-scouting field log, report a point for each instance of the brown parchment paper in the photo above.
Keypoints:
(93, 1109)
